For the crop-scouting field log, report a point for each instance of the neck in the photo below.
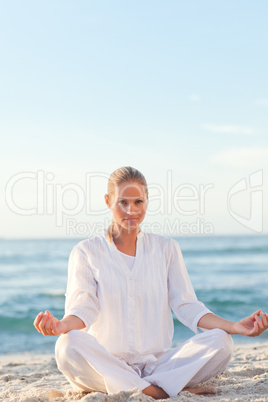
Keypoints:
(123, 236)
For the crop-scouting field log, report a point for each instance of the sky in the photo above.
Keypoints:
(175, 89)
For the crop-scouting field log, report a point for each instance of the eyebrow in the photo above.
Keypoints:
(131, 198)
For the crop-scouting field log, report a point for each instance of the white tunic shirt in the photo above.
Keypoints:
(129, 311)
(129, 260)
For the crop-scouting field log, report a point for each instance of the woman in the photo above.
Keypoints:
(117, 329)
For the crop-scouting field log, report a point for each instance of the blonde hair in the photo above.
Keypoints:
(119, 176)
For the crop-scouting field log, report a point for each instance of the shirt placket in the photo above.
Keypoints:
(131, 311)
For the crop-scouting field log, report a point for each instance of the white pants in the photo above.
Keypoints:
(90, 367)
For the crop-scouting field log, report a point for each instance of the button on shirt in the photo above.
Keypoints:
(129, 310)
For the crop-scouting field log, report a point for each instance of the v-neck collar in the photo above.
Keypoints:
(120, 259)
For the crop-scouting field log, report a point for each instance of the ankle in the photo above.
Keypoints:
(155, 392)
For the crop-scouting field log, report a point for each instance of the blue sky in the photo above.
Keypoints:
(164, 86)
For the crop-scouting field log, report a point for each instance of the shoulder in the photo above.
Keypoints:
(160, 242)
(90, 245)
(160, 239)
(166, 243)
(160, 245)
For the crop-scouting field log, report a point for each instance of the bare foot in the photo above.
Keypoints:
(206, 391)
(155, 392)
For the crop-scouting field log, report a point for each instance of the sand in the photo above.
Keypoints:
(36, 378)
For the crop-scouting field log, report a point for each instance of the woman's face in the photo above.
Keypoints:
(128, 205)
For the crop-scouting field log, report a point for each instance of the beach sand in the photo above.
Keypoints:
(36, 378)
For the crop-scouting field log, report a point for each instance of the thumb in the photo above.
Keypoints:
(55, 327)
(255, 328)
(258, 312)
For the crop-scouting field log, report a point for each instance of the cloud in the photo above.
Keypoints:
(245, 157)
(262, 101)
(228, 129)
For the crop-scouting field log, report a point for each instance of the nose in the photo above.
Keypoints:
(131, 208)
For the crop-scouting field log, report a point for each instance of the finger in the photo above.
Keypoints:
(259, 321)
(256, 313)
(37, 321)
(55, 327)
(48, 325)
(264, 320)
(258, 326)
(43, 323)
(40, 321)
(255, 329)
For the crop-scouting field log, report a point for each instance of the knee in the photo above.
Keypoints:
(65, 350)
(224, 342)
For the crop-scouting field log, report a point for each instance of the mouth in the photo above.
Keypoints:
(131, 219)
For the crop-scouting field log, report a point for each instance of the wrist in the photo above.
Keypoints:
(64, 326)
(72, 322)
(233, 329)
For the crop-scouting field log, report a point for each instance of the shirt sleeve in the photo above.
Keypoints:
(182, 297)
(81, 296)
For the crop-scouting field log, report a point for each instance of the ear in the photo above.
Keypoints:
(107, 202)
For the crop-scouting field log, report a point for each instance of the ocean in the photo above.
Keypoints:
(229, 275)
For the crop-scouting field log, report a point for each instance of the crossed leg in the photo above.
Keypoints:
(197, 360)
(89, 366)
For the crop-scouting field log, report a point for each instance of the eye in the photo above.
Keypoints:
(139, 201)
(122, 202)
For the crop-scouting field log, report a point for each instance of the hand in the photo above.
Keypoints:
(253, 325)
(46, 324)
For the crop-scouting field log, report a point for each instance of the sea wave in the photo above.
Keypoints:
(226, 251)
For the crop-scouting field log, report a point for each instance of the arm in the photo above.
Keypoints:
(46, 324)
(81, 304)
(81, 295)
(253, 325)
(182, 297)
